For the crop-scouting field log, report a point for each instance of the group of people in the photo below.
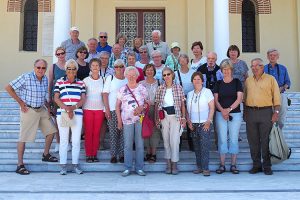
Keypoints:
(97, 88)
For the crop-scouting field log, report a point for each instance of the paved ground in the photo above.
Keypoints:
(158, 186)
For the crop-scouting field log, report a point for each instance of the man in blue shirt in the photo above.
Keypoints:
(281, 75)
(32, 97)
(102, 44)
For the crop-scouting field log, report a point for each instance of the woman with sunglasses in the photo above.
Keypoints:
(84, 69)
(144, 57)
(200, 109)
(109, 94)
(56, 71)
(228, 95)
(170, 112)
(69, 95)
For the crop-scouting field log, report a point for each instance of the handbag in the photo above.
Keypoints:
(147, 123)
(161, 114)
(65, 120)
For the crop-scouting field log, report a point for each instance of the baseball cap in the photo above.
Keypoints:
(74, 28)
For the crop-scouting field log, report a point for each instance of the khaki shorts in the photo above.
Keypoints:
(32, 120)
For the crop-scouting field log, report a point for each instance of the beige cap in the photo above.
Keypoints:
(175, 44)
(74, 28)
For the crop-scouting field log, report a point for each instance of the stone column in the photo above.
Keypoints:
(62, 23)
(221, 28)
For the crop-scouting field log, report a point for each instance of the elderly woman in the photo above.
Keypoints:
(151, 84)
(109, 94)
(228, 96)
(122, 39)
(131, 60)
(56, 71)
(69, 96)
(199, 59)
(240, 68)
(183, 77)
(144, 57)
(84, 69)
(169, 100)
(93, 114)
(157, 61)
(136, 44)
(172, 60)
(200, 109)
(130, 106)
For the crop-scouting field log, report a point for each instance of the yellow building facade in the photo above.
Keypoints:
(277, 26)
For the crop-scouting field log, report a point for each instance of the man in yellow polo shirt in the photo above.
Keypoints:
(262, 100)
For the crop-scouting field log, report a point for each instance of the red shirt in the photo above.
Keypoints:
(141, 76)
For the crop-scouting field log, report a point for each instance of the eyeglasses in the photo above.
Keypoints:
(43, 68)
(104, 58)
(71, 69)
(119, 66)
(102, 36)
(168, 74)
(143, 52)
(60, 54)
(83, 52)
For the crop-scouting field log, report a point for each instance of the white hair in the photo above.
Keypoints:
(155, 52)
(119, 62)
(157, 31)
(131, 68)
(71, 62)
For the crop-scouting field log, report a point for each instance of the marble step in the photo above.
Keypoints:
(105, 154)
(184, 165)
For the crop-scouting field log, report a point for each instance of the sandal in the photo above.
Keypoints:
(22, 170)
(197, 171)
(147, 157)
(206, 173)
(49, 158)
(152, 159)
(221, 169)
(95, 159)
(89, 159)
(234, 170)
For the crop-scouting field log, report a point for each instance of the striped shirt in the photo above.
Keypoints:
(32, 91)
(178, 97)
(69, 93)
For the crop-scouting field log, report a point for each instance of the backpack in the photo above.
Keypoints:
(279, 150)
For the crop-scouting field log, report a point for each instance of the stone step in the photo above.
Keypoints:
(105, 154)
(184, 165)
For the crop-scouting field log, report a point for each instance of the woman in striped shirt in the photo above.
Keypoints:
(70, 96)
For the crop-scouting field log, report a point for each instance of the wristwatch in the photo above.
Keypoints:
(277, 111)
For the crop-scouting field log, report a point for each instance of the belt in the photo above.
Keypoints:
(259, 108)
(29, 106)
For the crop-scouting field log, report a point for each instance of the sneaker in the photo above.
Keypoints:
(63, 170)
(56, 149)
(77, 170)
(126, 173)
(69, 147)
(141, 172)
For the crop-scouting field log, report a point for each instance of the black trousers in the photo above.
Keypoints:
(258, 126)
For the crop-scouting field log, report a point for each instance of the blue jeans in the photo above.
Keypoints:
(232, 128)
(133, 132)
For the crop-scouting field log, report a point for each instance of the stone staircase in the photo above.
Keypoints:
(9, 130)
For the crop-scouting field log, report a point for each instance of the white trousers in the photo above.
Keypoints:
(64, 139)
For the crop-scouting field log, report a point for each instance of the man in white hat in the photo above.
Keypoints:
(72, 44)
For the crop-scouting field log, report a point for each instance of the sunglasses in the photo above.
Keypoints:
(60, 54)
(71, 69)
(43, 68)
(83, 52)
(121, 66)
(143, 51)
(168, 74)
(102, 36)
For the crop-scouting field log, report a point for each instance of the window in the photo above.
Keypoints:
(248, 27)
(30, 25)
(140, 23)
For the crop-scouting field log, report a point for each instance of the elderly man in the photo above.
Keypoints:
(211, 71)
(116, 54)
(262, 100)
(104, 69)
(157, 44)
(32, 97)
(72, 44)
(281, 75)
(92, 44)
(102, 44)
